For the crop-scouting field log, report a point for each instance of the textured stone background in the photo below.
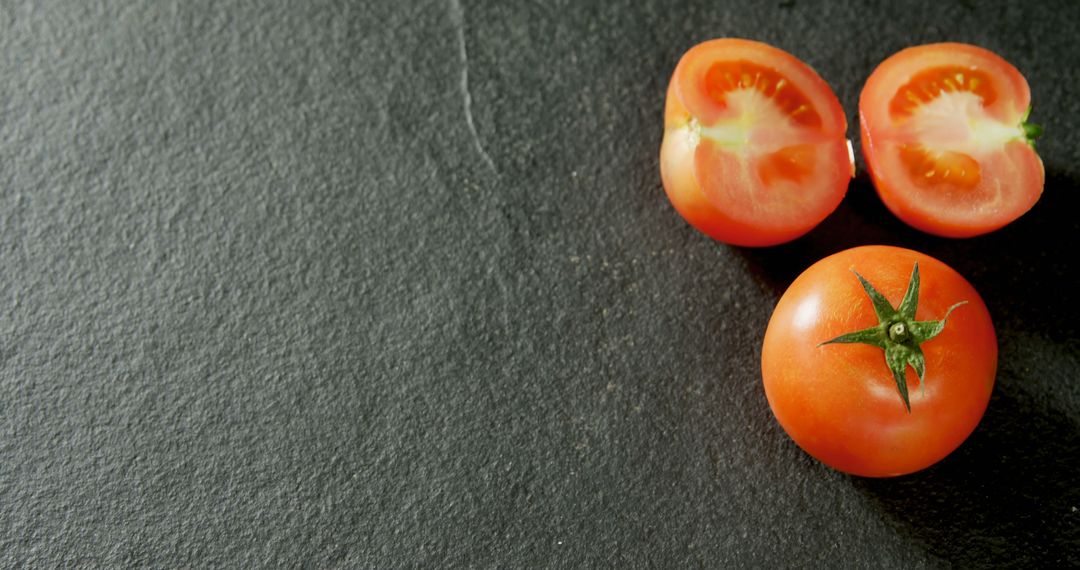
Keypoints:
(396, 285)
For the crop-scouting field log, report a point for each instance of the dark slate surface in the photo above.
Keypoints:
(396, 285)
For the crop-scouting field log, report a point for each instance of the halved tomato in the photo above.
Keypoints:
(945, 134)
(754, 150)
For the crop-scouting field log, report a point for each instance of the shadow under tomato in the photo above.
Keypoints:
(1008, 495)
(861, 219)
(1023, 271)
(1011, 494)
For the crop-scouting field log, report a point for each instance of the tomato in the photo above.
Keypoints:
(754, 150)
(882, 378)
(945, 134)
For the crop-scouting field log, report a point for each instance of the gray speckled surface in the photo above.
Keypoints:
(396, 285)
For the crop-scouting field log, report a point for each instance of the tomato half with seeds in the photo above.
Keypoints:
(879, 361)
(754, 150)
(946, 137)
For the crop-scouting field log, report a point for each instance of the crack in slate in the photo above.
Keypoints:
(457, 16)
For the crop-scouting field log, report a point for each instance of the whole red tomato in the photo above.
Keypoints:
(879, 361)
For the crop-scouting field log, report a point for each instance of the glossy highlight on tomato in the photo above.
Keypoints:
(754, 151)
(879, 361)
(945, 133)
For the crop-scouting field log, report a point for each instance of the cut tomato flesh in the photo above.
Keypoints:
(943, 134)
(774, 190)
(792, 163)
(763, 157)
(960, 210)
(754, 150)
(928, 168)
(726, 77)
(929, 84)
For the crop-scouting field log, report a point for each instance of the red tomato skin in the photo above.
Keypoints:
(839, 402)
(1010, 107)
(682, 182)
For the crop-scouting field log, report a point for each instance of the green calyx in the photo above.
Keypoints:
(897, 333)
(1031, 130)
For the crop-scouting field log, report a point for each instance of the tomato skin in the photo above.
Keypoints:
(839, 402)
(752, 214)
(1014, 173)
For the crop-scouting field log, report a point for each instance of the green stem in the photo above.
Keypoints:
(1032, 131)
(897, 333)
